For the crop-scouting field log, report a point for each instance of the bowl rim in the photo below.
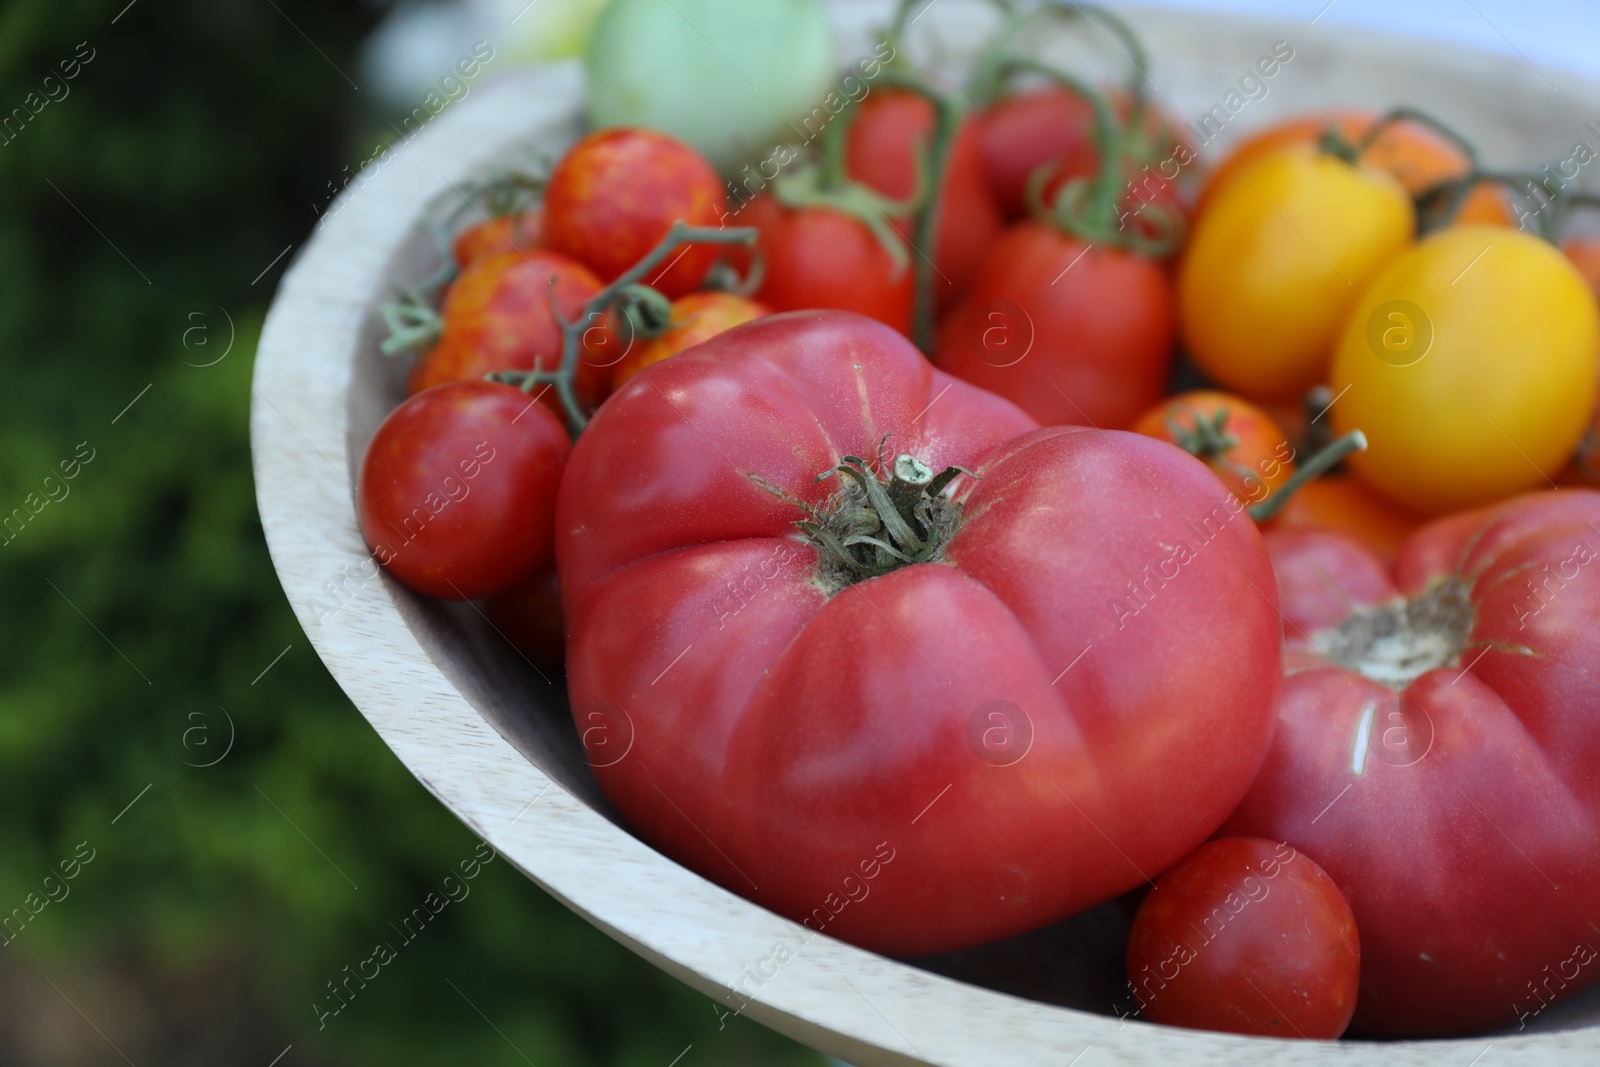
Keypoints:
(843, 1000)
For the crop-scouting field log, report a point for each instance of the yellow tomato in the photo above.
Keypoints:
(1470, 363)
(1279, 255)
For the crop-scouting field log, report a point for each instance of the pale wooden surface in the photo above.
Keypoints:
(494, 741)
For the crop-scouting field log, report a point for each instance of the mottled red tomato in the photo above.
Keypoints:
(695, 318)
(816, 257)
(457, 489)
(1438, 752)
(891, 128)
(529, 616)
(503, 233)
(1236, 439)
(916, 756)
(1073, 334)
(614, 195)
(497, 317)
(1246, 936)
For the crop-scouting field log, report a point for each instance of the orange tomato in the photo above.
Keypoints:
(695, 318)
(1584, 252)
(1238, 440)
(1414, 154)
(1345, 505)
(503, 233)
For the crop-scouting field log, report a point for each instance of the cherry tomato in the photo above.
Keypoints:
(1344, 504)
(614, 195)
(457, 490)
(791, 717)
(891, 128)
(695, 318)
(1471, 365)
(1417, 156)
(816, 257)
(1276, 261)
(1246, 936)
(1437, 752)
(1236, 439)
(497, 317)
(529, 616)
(503, 233)
(1072, 334)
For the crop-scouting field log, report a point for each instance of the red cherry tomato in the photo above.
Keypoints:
(1246, 936)
(529, 616)
(891, 128)
(789, 726)
(1072, 334)
(816, 257)
(695, 318)
(457, 490)
(615, 194)
(1438, 752)
(497, 317)
(503, 233)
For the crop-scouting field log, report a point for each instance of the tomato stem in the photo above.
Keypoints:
(1315, 467)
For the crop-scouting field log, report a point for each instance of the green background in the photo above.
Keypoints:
(141, 609)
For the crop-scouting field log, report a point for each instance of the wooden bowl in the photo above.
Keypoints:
(494, 740)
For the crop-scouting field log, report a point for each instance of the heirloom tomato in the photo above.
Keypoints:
(1470, 364)
(695, 318)
(1248, 937)
(1438, 752)
(1236, 439)
(458, 486)
(614, 195)
(914, 707)
(1277, 259)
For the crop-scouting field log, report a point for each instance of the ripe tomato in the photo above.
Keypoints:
(1072, 334)
(497, 317)
(1248, 937)
(1236, 439)
(1438, 752)
(695, 318)
(1471, 365)
(1414, 154)
(922, 757)
(1276, 261)
(890, 129)
(614, 195)
(529, 616)
(816, 257)
(1584, 252)
(457, 490)
(503, 233)
(1344, 504)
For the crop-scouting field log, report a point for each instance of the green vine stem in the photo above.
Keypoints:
(989, 78)
(627, 286)
(1438, 206)
(1315, 467)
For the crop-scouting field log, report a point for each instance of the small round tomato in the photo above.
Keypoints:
(497, 317)
(503, 233)
(1236, 439)
(529, 616)
(1072, 333)
(695, 318)
(1417, 156)
(1344, 504)
(817, 257)
(614, 195)
(457, 490)
(1246, 936)
(891, 128)
(1276, 261)
(1470, 364)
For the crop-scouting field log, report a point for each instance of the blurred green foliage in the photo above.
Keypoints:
(139, 205)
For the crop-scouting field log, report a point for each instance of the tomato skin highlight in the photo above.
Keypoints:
(614, 195)
(783, 740)
(1465, 796)
(1277, 260)
(497, 317)
(1084, 335)
(1246, 936)
(457, 489)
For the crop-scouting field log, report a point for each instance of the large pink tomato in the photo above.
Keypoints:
(1438, 752)
(914, 707)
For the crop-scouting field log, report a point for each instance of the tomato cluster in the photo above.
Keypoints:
(1009, 487)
